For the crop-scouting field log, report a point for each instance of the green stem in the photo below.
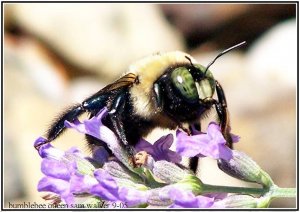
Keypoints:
(274, 192)
(283, 192)
(231, 189)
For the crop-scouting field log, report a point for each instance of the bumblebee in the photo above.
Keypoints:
(164, 90)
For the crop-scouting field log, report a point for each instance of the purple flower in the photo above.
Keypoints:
(95, 128)
(211, 144)
(108, 189)
(47, 150)
(160, 150)
(185, 199)
(70, 173)
(63, 176)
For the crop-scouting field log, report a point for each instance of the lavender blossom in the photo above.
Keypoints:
(160, 150)
(186, 199)
(68, 174)
(211, 144)
(108, 189)
(65, 173)
(159, 182)
(99, 182)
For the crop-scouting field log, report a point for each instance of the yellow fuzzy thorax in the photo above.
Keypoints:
(148, 71)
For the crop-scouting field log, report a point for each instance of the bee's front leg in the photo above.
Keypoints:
(221, 107)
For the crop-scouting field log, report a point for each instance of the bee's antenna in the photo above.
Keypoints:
(224, 52)
(189, 59)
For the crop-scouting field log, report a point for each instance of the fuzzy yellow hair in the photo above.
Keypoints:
(148, 70)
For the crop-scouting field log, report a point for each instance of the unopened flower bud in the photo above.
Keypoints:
(155, 198)
(243, 167)
(191, 183)
(117, 169)
(242, 201)
(168, 172)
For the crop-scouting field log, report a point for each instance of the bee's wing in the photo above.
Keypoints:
(98, 100)
(125, 81)
(102, 95)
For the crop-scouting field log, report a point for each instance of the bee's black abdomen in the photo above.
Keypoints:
(58, 125)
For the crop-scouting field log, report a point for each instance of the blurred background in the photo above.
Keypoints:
(56, 54)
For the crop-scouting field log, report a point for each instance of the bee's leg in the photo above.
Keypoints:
(159, 104)
(194, 161)
(58, 125)
(115, 114)
(92, 104)
(221, 107)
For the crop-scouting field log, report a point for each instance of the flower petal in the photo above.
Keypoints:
(132, 197)
(81, 183)
(56, 169)
(165, 142)
(146, 146)
(211, 144)
(39, 141)
(160, 150)
(53, 184)
(58, 186)
(93, 127)
(106, 179)
(191, 146)
(214, 131)
(107, 187)
(163, 152)
(104, 193)
(97, 129)
(186, 199)
(47, 150)
(235, 138)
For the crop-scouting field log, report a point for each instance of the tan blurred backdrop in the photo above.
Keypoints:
(56, 54)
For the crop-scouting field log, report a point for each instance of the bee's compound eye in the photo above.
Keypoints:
(184, 83)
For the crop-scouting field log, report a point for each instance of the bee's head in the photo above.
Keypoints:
(193, 82)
